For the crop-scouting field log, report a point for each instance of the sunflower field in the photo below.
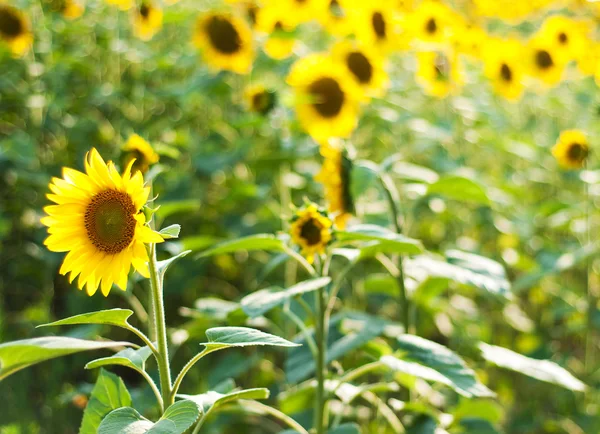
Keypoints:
(300, 216)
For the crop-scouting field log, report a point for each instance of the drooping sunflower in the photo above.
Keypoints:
(279, 26)
(439, 73)
(545, 63)
(327, 102)
(502, 66)
(376, 26)
(431, 22)
(97, 220)
(260, 99)
(311, 230)
(365, 67)
(15, 30)
(124, 5)
(147, 20)
(226, 42)
(335, 176)
(139, 150)
(571, 149)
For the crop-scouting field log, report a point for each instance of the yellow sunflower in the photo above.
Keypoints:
(431, 22)
(502, 66)
(138, 149)
(15, 30)
(469, 39)
(335, 176)
(570, 36)
(226, 42)
(124, 5)
(376, 26)
(572, 149)
(439, 73)
(71, 9)
(97, 220)
(335, 17)
(364, 66)
(279, 26)
(544, 62)
(147, 20)
(327, 102)
(311, 230)
(260, 99)
(589, 59)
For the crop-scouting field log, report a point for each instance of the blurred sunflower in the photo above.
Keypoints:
(327, 102)
(545, 63)
(311, 229)
(335, 17)
(70, 9)
(147, 20)
(502, 66)
(335, 177)
(364, 66)
(431, 22)
(375, 26)
(124, 5)
(569, 35)
(259, 99)
(571, 149)
(15, 30)
(279, 27)
(140, 151)
(469, 39)
(589, 59)
(226, 42)
(438, 73)
(97, 220)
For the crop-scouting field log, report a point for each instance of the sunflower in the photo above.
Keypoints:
(15, 30)
(376, 26)
(589, 59)
(335, 177)
(545, 63)
(124, 5)
(431, 22)
(279, 27)
(71, 9)
(569, 36)
(469, 39)
(364, 66)
(502, 65)
(572, 149)
(97, 220)
(311, 229)
(335, 17)
(226, 42)
(259, 99)
(439, 73)
(327, 102)
(147, 20)
(138, 149)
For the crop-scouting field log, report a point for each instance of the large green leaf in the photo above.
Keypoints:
(225, 337)
(379, 240)
(543, 370)
(459, 188)
(18, 355)
(262, 301)
(345, 428)
(134, 359)
(109, 393)
(253, 242)
(114, 317)
(176, 420)
(210, 401)
(433, 362)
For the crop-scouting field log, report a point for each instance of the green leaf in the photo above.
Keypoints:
(253, 242)
(170, 232)
(210, 401)
(176, 420)
(379, 240)
(169, 208)
(210, 307)
(18, 355)
(114, 317)
(165, 264)
(431, 361)
(226, 337)
(262, 301)
(109, 393)
(134, 359)
(476, 426)
(345, 428)
(459, 188)
(485, 409)
(543, 370)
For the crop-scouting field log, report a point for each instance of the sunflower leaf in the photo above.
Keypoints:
(266, 242)
(460, 189)
(210, 401)
(226, 337)
(170, 232)
(114, 317)
(378, 240)
(165, 264)
(134, 359)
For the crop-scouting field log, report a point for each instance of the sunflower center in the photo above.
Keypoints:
(109, 221)
(378, 25)
(263, 102)
(10, 23)
(563, 38)
(252, 12)
(328, 96)
(431, 26)
(144, 10)
(360, 66)
(311, 232)
(223, 35)
(577, 152)
(506, 72)
(543, 59)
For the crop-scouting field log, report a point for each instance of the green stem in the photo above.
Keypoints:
(161, 329)
(320, 362)
(154, 390)
(187, 367)
(307, 335)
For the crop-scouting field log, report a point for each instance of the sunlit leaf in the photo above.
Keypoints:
(211, 401)
(378, 239)
(225, 337)
(253, 242)
(460, 189)
(134, 359)
(114, 317)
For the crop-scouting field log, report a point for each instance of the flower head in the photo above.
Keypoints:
(260, 99)
(15, 30)
(572, 149)
(502, 65)
(439, 73)
(138, 149)
(311, 229)
(147, 20)
(97, 220)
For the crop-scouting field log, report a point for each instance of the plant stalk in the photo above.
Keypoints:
(320, 363)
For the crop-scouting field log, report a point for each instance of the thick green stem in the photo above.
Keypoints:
(320, 363)
(161, 329)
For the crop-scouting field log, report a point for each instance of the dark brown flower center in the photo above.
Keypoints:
(543, 59)
(563, 38)
(577, 152)
(263, 102)
(252, 12)
(506, 72)
(110, 222)
(360, 66)
(311, 232)
(379, 26)
(328, 97)
(223, 35)
(144, 10)
(141, 163)
(431, 26)
(11, 25)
